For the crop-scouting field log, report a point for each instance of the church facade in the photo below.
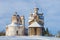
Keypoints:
(17, 26)
(36, 23)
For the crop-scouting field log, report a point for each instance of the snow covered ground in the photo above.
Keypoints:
(27, 38)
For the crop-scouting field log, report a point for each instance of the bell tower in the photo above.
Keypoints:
(14, 18)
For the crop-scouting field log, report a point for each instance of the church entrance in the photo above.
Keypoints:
(17, 32)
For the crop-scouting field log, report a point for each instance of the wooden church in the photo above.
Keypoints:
(36, 23)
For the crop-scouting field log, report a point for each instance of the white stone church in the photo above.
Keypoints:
(16, 28)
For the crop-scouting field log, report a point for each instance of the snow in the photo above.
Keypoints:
(30, 19)
(27, 38)
(14, 24)
(35, 24)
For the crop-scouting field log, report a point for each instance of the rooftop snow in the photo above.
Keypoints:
(13, 24)
(30, 19)
(35, 24)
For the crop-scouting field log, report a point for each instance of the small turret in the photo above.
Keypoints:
(23, 20)
(14, 18)
(36, 10)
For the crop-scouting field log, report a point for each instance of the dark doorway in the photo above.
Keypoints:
(17, 32)
(35, 31)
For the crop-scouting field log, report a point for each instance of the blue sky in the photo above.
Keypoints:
(50, 8)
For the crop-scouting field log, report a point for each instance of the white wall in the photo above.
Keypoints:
(11, 31)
